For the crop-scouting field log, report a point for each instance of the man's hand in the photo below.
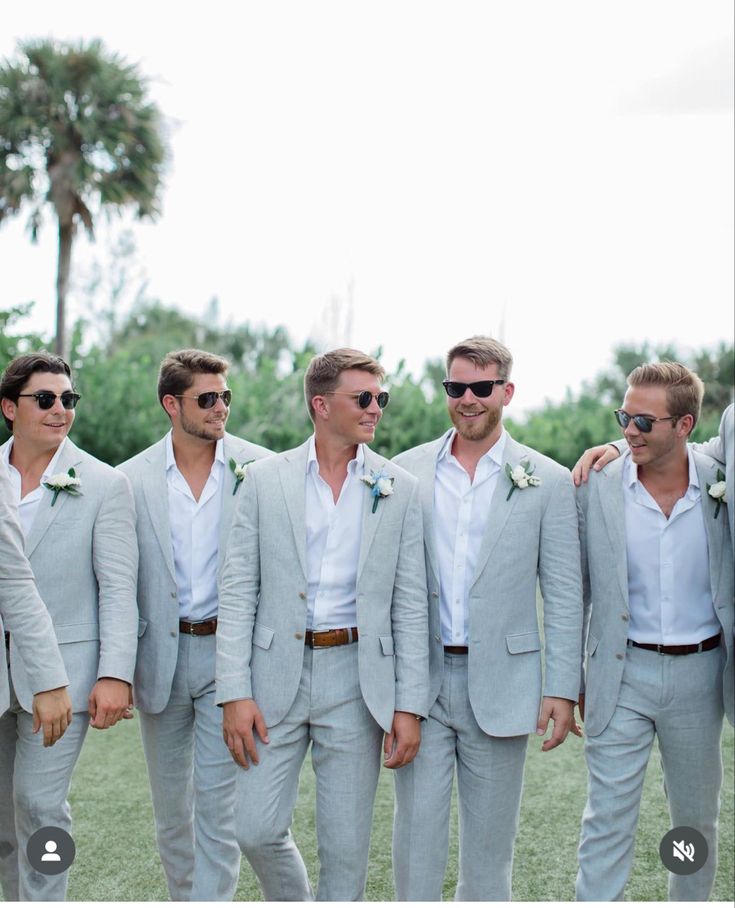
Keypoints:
(402, 743)
(52, 710)
(577, 729)
(109, 702)
(561, 712)
(593, 458)
(239, 719)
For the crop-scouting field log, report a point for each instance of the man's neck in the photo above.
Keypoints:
(29, 460)
(667, 473)
(467, 450)
(192, 453)
(333, 454)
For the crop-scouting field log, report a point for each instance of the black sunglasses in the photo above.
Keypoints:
(209, 398)
(478, 388)
(643, 423)
(364, 398)
(46, 399)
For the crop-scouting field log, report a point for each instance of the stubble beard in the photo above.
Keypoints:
(192, 428)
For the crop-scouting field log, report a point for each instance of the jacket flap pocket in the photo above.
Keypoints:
(75, 633)
(386, 644)
(262, 636)
(523, 643)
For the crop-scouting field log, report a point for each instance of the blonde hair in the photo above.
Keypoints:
(684, 388)
(324, 371)
(483, 351)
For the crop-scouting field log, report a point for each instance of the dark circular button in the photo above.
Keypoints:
(683, 850)
(51, 850)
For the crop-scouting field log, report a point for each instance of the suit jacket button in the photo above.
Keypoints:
(624, 616)
(434, 595)
(618, 655)
(299, 636)
(302, 595)
(173, 595)
(173, 633)
(437, 638)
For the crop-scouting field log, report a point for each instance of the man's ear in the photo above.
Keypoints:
(170, 405)
(8, 408)
(319, 406)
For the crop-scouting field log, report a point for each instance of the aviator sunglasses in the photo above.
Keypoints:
(364, 398)
(643, 423)
(46, 399)
(479, 388)
(209, 398)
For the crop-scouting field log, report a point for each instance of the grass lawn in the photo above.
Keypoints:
(117, 857)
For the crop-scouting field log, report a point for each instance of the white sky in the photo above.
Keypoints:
(559, 171)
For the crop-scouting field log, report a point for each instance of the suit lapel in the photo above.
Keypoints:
(371, 521)
(425, 471)
(707, 473)
(46, 514)
(610, 489)
(292, 472)
(501, 507)
(229, 497)
(155, 491)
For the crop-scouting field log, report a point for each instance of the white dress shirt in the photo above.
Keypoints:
(195, 535)
(333, 534)
(28, 506)
(461, 509)
(669, 590)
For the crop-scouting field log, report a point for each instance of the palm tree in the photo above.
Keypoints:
(78, 133)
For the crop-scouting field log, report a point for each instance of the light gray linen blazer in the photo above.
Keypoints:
(601, 508)
(84, 555)
(262, 609)
(532, 536)
(22, 611)
(158, 629)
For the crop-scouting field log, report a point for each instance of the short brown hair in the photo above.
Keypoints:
(179, 367)
(324, 371)
(684, 388)
(483, 351)
(19, 370)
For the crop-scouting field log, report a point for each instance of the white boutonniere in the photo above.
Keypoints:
(380, 485)
(239, 469)
(717, 491)
(63, 482)
(521, 476)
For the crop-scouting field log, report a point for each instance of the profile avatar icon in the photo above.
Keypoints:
(50, 854)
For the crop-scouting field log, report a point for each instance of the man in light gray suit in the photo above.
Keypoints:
(323, 633)
(498, 517)
(78, 522)
(658, 571)
(22, 611)
(186, 487)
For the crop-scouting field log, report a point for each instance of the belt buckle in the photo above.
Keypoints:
(660, 649)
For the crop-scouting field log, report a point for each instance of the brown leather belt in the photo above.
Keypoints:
(457, 650)
(682, 649)
(337, 637)
(198, 628)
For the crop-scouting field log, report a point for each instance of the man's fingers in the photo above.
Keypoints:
(261, 727)
(388, 745)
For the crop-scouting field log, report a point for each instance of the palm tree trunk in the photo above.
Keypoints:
(66, 235)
